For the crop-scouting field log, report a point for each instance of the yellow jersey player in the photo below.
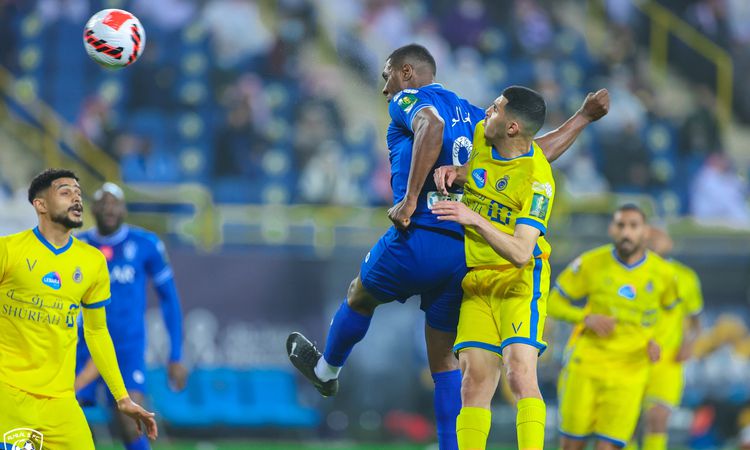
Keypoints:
(612, 346)
(508, 194)
(678, 327)
(47, 277)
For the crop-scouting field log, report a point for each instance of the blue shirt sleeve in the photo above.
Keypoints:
(406, 104)
(158, 267)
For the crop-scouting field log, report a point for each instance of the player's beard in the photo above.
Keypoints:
(630, 249)
(65, 220)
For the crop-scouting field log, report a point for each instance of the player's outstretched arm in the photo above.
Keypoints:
(103, 354)
(517, 248)
(428, 141)
(448, 176)
(556, 142)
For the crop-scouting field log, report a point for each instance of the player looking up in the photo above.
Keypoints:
(47, 277)
(133, 256)
(507, 202)
(612, 346)
(419, 255)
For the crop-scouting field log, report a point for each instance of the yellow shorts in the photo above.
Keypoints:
(600, 407)
(49, 423)
(504, 306)
(665, 385)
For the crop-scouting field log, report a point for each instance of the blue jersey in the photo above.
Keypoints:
(133, 255)
(459, 116)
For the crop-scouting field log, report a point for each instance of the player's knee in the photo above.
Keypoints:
(359, 299)
(522, 379)
(657, 419)
(477, 387)
(572, 444)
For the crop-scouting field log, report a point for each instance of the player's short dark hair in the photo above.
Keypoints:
(528, 106)
(632, 207)
(44, 180)
(413, 53)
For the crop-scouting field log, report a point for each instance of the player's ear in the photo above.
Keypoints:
(40, 205)
(512, 128)
(407, 71)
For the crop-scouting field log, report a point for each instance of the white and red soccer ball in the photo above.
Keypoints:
(114, 38)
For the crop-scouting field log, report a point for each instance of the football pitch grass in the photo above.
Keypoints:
(260, 445)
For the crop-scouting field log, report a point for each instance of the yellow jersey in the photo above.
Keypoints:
(41, 291)
(507, 192)
(671, 327)
(634, 295)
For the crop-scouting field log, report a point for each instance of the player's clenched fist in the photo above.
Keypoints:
(595, 105)
(400, 214)
(446, 176)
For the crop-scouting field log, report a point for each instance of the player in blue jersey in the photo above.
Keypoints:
(419, 255)
(133, 255)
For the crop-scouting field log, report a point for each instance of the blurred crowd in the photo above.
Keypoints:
(279, 102)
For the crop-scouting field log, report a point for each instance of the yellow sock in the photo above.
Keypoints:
(472, 428)
(632, 444)
(532, 414)
(655, 441)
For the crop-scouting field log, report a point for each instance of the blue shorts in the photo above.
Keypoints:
(420, 261)
(132, 367)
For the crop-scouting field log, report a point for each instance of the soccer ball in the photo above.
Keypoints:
(114, 38)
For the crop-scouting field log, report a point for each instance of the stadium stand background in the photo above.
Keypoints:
(251, 136)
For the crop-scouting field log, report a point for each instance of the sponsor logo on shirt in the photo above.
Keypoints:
(480, 177)
(627, 291)
(407, 102)
(122, 274)
(52, 280)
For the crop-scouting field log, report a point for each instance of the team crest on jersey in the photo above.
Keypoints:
(462, 147)
(77, 275)
(129, 250)
(502, 183)
(407, 102)
(627, 291)
(480, 177)
(650, 286)
(23, 439)
(52, 280)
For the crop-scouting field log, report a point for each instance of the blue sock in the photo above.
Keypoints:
(347, 328)
(447, 407)
(139, 444)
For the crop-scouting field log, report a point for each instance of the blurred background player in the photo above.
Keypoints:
(506, 206)
(678, 328)
(47, 276)
(611, 348)
(419, 255)
(133, 256)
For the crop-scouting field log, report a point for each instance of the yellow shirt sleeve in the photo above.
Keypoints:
(3, 257)
(670, 297)
(102, 351)
(570, 286)
(691, 293)
(538, 204)
(98, 294)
